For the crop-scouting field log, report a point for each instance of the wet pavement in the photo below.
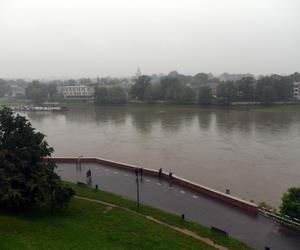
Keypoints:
(256, 231)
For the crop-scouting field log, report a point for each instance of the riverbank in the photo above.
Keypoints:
(88, 224)
(84, 103)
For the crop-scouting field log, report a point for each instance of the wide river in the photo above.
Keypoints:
(254, 154)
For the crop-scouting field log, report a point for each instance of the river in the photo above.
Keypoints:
(254, 154)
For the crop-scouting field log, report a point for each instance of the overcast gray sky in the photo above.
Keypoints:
(80, 38)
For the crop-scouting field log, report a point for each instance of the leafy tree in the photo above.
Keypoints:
(138, 89)
(51, 89)
(265, 92)
(205, 95)
(291, 203)
(3, 87)
(226, 92)
(202, 78)
(268, 95)
(295, 77)
(283, 87)
(168, 83)
(27, 180)
(246, 88)
(187, 96)
(116, 95)
(36, 91)
(149, 94)
(101, 96)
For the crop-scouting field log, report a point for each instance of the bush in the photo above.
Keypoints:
(291, 203)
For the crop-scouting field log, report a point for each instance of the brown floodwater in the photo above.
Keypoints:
(254, 154)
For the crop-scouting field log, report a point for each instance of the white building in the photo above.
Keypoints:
(296, 92)
(78, 92)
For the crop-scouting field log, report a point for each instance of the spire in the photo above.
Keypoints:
(138, 73)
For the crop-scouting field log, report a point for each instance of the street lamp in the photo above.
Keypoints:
(137, 187)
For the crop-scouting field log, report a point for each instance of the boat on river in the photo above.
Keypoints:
(47, 108)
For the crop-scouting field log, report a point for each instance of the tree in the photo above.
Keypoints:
(116, 95)
(291, 203)
(101, 96)
(226, 92)
(283, 87)
(245, 88)
(265, 92)
(3, 87)
(52, 89)
(168, 83)
(138, 89)
(187, 96)
(36, 91)
(27, 179)
(205, 95)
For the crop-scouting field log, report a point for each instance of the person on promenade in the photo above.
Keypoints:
(160, 172)
(171, 176)
(89, 177)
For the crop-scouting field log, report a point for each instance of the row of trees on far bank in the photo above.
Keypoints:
(266, 90)
(177, 88)
(114, 95)
(39, 92)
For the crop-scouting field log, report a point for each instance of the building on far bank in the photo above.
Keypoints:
(296, 91)
(78, 92)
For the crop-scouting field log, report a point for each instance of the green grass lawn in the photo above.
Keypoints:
(160, 215)
(88, 225)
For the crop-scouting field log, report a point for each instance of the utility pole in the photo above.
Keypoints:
(137, 187)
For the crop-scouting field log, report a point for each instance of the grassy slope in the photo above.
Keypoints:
(86, 225)
(161, 215)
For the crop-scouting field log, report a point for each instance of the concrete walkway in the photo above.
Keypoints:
(256, 231)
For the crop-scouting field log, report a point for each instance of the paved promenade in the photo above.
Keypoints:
(256, 231)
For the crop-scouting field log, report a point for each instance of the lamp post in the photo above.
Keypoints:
(137, 187)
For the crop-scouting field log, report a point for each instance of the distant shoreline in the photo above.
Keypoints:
(240, 106)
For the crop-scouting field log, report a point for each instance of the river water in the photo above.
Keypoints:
(254, 154)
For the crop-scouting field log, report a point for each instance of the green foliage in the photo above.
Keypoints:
(117, 95)
(283, 87)
(101, 96)
(264, 90)
(246, 89)
(51, 89)
(169, 84)
(36, 91)
(26, 179)
(226, 92)
(291, 203)
(138, 89)
(114, 95)
(205, 95)
(3, 87)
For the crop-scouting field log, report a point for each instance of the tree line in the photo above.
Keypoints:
(266, 90)
(177, 88)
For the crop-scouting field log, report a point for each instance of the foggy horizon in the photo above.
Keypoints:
(73, 39)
